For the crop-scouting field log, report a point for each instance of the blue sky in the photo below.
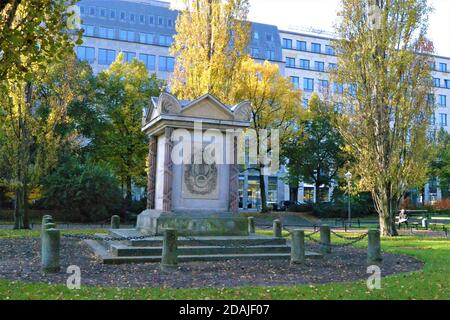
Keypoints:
(321, 14)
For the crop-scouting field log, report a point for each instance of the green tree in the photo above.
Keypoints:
(123, 91)
(33, 32)
(440, 164)
(314, 153)
(275, 105)
(82, 191)
(209, 60)
(34, 128)
(384, 58)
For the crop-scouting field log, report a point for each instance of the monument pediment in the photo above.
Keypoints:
(206, 108)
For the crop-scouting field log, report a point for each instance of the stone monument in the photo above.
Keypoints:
(193, 170)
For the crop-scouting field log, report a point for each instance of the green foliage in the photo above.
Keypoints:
(440, 165)
(33, 33)
(314, 152)
(82, 192)
(385, 108)
(123, 91)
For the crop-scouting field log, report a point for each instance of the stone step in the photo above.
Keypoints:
(156, 241)
(121, 250)
(212, 241)
(218, 257)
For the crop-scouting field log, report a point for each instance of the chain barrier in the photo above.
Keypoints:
(344, 237)
(98, 238)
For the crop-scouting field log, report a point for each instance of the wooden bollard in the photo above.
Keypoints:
(169, 259)
(251, 225)
(50, 250)
(115, 222)
(277, 228)
(374, 246)
(325, 239)
(297, 246)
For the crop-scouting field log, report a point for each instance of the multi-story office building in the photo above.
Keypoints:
(144, 29)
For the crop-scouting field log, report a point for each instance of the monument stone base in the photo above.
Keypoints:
(153, 222)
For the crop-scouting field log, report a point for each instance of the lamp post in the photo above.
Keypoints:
(348, 177)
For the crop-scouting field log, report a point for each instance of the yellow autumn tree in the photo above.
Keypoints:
(210, 44)
(275, 106)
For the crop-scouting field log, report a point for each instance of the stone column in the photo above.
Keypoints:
(234, 179)
(427, 193)
(50, 250)
(169, 259)
(151, 179)
(325, 239)
(245, 192)
(168, 170)
(374, 247)
(251, 225)
(115, 222)
(277, 228)
(297, 246)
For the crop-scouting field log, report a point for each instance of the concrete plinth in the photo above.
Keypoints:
(154, 222)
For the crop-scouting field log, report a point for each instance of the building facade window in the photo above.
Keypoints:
(165, 40)
(447, 84)
(270, 55)
(151, 20)
(352, 88)
(141, 19)
(436, 82)
(316, 47)
(296, 82)
(443, 67)
(323, 86)
(304, 64)
(112, 14)
(269, 37)
(169, 23)
(329, 50)
(338, 88)
(129, 56)
(148, 60)
(146, 38)
(332, 66)
(132, 17)
(290, 62)
(319, 65)
(442, 100)
(254, 52)
(106, 56)
(92, 11)
(160, 21)
(255, 35)
(287, 43)
(301, 45)
(443, 119)
(123, 16)
(126, 35)
(103, 12)
(88, 30)
(107, 33)
(166, 63)
(86, 54)
(308, 84)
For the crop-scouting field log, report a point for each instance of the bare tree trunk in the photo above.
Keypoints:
(387, 209)
(262, 188)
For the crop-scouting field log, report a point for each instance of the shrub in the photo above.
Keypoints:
(82, 192)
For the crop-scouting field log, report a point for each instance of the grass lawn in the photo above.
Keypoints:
(433, 282)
